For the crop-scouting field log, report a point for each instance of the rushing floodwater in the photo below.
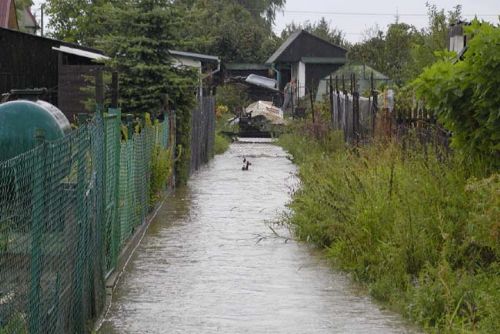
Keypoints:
(210, 263)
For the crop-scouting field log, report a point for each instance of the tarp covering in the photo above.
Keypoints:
(343, 115)
(266, 109)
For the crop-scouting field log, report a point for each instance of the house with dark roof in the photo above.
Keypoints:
(15, 18)
(307, 59)
(8, 14)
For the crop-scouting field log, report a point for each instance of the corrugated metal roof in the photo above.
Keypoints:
(81, 53)
(5, 12)
(197, 56)
(284, 46)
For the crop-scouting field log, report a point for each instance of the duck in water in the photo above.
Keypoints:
(246, 164)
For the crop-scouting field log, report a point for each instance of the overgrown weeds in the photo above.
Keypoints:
(416, 228)
(161, 171)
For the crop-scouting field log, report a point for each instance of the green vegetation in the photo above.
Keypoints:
(464, 95)
(233, 96)
(418, 230)
(183, 137)
(234, 30)
(221, 144)
(321, 29)
(16, 324)
(403, 51)
(221, 140)
(419, 225)
(138, 39)
(161, 169)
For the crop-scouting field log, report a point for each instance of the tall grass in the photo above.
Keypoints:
(221, 144)
(417, 229)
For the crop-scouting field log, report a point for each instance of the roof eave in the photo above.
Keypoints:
(196, 56)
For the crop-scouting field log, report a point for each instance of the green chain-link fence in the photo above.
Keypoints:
(66, 209)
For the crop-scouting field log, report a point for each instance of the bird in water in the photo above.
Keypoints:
(246, 164)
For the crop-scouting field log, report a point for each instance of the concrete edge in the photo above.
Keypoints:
(123, 260)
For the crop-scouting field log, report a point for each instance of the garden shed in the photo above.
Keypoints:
(28, 61)
(307, 59)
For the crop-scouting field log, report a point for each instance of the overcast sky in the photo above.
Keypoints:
(354, 17)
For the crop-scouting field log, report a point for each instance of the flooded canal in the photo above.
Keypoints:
(210, 263)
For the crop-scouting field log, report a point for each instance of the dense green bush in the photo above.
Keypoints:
(422, 236)
(183, 141)
(234, 96)
(221, 144)
(465, 96)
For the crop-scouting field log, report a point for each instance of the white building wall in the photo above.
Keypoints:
(301, 79)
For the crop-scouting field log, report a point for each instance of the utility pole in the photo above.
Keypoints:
(42, 9)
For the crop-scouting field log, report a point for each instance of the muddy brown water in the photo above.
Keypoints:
(209, 263)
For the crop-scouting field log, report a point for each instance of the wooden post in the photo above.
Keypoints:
(353, 106)
(311, 93)
(374, 105)
(115, 86)
(339, 119)
(355, 109)
(331, 101)
(346, 115)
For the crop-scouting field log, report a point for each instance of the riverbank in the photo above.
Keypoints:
(415, 227)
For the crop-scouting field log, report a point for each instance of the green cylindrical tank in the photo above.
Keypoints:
(19, 122)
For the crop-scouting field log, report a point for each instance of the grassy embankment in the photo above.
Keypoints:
(422, 234)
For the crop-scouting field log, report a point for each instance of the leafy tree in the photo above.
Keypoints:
(464, 95)
(22, 4)
(236, 31)
(257, 8)
(433, 38)
(398, 43)
(403, 51)
(322, 29)
(79, 21)
(371, 51)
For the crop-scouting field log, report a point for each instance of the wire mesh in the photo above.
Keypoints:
(66, 209)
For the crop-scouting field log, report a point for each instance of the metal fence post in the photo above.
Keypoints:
(115, 111)
(37, 227)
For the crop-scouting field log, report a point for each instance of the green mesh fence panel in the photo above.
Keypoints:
(66, 210)
(127, 198)
(49, 238)
(111, 176)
